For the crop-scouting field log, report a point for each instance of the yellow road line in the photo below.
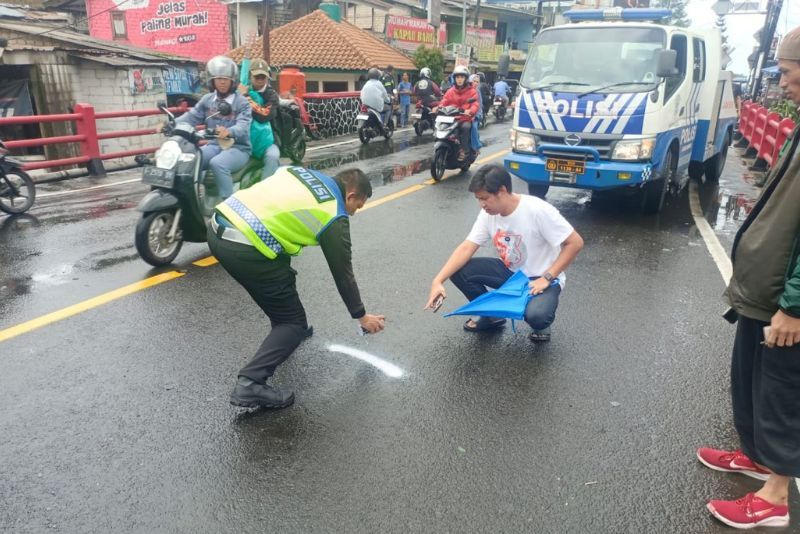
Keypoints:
(206, 262)
(80, 307)
(105, 298)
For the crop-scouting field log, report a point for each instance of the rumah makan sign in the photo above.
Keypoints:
(410, 33)
(192, 28)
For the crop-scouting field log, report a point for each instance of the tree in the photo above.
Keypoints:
(431, 58)
(679, 16)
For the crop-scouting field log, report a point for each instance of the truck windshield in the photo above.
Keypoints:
(584, 60)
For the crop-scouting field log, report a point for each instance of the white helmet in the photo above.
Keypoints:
(425, 72)
(461, 70)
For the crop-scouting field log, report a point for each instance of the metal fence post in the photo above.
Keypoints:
(90, 146)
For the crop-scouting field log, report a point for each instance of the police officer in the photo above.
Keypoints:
(388, 81)
(426, 89)
(254, 234)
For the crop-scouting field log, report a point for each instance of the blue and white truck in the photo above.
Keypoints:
(613, 100)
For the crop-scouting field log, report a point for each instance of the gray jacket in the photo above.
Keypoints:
(237, 123)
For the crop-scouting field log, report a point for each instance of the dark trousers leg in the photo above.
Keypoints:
(541, 310)
(478, 274)
(465, 134)
(765, 386)
(271, 284)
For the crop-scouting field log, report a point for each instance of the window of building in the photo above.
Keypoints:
(334, 87)
(699, 66)
(312, 87)
(488, 24)
(502, 30)
(680, 45)
(119, 29)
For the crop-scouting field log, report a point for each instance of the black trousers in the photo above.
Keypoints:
(465, 135)
(765, 384)
(271, 284)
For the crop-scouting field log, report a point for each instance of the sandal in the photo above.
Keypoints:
(540, 336)
(484, 323)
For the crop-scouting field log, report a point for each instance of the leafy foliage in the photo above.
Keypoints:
(786, 108)
(431, 58)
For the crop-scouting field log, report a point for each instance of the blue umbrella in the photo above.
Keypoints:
(508, 300)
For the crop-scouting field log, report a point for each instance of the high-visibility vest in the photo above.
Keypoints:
(287, 211)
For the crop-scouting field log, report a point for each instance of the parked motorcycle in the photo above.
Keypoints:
(371, 125)
(17, 190)
(423, 118)
(289, 131)
(182, 197)
(448, 143)
(499, 109)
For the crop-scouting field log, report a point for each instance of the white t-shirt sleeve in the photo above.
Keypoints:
(552, 225)
(481, 233)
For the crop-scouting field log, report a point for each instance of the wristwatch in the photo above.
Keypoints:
(547, 276)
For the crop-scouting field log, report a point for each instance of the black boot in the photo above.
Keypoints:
(249, 394)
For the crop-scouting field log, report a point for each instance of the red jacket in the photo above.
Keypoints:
(458, 97)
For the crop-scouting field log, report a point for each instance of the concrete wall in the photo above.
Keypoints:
(321, 77)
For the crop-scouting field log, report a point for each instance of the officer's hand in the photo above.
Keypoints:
(538, 286)
(243, 90)
(437, 292)
(784, 331)
(373, 323)
(222, 132)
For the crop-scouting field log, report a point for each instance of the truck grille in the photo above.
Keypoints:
(603, 144)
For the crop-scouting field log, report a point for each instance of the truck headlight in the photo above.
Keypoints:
(523, 142)
(167, 156)
(635, 149)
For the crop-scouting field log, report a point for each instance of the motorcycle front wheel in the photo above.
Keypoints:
(17, 192)
(151, 239)
(298, 152)
(439, 164)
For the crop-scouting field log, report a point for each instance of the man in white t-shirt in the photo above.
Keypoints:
(529, 235)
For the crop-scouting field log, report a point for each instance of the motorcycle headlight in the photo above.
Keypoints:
(635, 149)
(167, 156)
(523, 142)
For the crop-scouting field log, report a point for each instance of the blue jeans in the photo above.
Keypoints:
(405, 112)
(475, 137)
(478, 274)
(224, 163)
(272, 160)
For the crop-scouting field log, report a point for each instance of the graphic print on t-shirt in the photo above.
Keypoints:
(511, 248)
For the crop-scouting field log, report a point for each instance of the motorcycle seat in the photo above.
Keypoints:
(253, 167)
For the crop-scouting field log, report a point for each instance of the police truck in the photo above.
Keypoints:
(614, 100)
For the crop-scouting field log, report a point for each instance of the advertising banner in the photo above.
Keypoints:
(145, 80)
(410, 33)
(482, 42)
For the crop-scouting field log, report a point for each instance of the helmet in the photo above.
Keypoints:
(460, 71)
(222, 67)
(373, 74)
(474, 78)
(425, 72)
(482, 77)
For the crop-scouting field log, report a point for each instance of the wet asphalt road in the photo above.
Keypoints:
(117, 419)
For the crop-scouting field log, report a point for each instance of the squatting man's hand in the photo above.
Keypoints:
(373, 323)
(784, 331)
(538, 286)
(437, 292)
(222, 132)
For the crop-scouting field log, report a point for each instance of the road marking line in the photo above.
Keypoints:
(387, 368)
(80, 307)
(99, 300)
(206, 262)
(713, 245)
(103, 186)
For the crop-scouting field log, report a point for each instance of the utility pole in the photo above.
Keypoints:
(265, 30)
(767, 35)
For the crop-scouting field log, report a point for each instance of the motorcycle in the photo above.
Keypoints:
(499, 109)
(487, 104)
(289, 131)
(370, 124)
(182, 196)
(423, 118)
(17, 190)
(448, 143)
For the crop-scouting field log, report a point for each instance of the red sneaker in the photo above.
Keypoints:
(750, 512)
(730, 462)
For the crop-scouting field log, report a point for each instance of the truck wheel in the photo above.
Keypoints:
(715, 165)
(538, 190)
(654, 193)
(151, 238)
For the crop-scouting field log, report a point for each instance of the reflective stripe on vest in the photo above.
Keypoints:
(257, 226)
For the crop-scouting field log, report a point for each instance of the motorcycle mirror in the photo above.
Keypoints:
(223, 108)
(162, 106)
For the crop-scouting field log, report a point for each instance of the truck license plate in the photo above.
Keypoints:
(158, 177)
(569, 166)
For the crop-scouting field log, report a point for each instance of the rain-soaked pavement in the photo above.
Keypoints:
(117, 418)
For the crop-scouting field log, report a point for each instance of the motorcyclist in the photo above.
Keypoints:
(264, 103)
(464, 96)
(426, 89)
(475, 137)
(502, 89)
(222, 74)
(374, 95)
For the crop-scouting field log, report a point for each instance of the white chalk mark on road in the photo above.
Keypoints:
(389, 369)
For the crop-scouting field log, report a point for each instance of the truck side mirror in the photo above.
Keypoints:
(667, 61)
